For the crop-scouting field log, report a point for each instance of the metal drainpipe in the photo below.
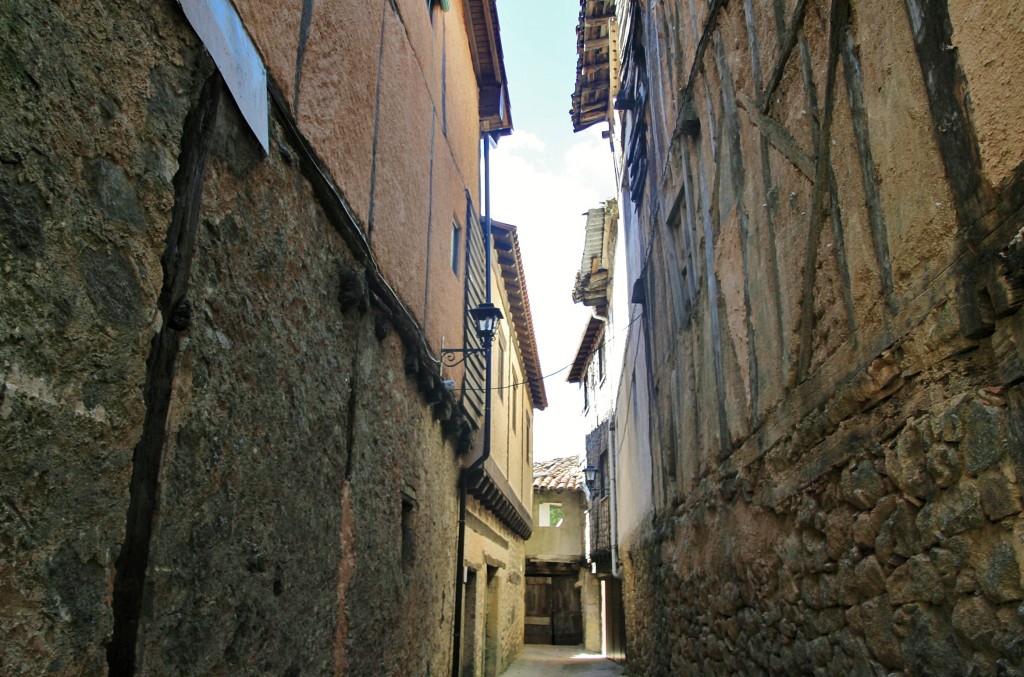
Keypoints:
(459, 556)
(615, 498)
(460, 553)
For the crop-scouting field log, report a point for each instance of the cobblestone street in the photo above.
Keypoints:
(541, 660)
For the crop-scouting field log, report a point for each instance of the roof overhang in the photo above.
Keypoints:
(593, 281)
(510, 260)
(592, 338)
(489, 65)
(487, 484)
(597, 64)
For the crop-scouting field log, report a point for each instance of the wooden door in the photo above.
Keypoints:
(538, 610)
(567, 611)
(615, 620)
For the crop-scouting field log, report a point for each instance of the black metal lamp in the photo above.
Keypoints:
(486, 317)
(590, 475)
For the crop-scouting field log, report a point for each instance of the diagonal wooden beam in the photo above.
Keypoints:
(787, 49)
(840, 17)
(779, 137)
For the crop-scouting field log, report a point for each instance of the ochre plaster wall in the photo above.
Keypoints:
(564, 543)
(836, 418)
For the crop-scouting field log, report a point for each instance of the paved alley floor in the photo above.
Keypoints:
(541, 660)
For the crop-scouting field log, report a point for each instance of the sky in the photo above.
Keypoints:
(543, 180)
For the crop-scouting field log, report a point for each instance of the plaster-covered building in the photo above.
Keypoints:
(563, 600)
(498, 518)
(820, 409)
(597, 375)
(236, 237)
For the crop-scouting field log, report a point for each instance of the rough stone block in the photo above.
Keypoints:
(997, 569)
(974, 619)
(899, 535)
(829, 621)
(954, 511)
(907, 461)
(1000, 496)
(986, 437)
(868, 580)
(916, 580)
(861, 485)
(820, 651)
(947, 426)
(944, 464)
(864, 531)
(815, 553)
(879, 633)
(948, 564)
(838, 527)
(929, 647)
(966, 582)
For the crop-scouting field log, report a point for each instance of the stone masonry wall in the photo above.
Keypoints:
(193, 335)
(904, 554)
(499, 630)
(89, 139)
(832, 274)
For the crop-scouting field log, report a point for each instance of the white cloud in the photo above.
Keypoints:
(546, 194)
(520, 141)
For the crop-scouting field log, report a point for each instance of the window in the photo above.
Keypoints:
(550, 515)
(600, 363)
(456, 246)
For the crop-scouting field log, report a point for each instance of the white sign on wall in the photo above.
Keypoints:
(220, 28)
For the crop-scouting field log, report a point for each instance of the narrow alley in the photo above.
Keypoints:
(538, 660)
(312, 362)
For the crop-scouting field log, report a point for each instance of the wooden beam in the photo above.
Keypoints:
(468, 15)
(779, 137)
(495, 59)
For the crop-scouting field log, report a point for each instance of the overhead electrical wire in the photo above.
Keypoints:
(558, 371)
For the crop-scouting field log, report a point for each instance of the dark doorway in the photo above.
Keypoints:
(469, 625)
(614, 620)
(554, 614)
(491, 645)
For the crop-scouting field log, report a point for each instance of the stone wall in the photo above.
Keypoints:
(903, 554)
(196, 335)
(830, 276)
(590, 602)
(498, 557)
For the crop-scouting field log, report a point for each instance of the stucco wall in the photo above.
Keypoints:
(835, 427)
(564, 543)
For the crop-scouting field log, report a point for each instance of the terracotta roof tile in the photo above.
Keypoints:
(559, 474)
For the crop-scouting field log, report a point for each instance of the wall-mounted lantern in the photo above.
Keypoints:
(486, 317)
